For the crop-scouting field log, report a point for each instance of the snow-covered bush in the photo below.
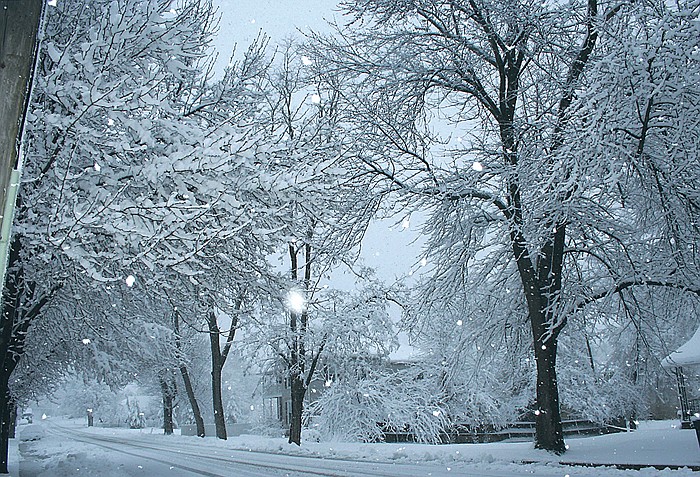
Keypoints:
(363, 409)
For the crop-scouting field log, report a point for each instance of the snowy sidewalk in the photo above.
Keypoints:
(669, 446)
(656, 443)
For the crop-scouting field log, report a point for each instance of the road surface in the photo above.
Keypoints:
(144, 455)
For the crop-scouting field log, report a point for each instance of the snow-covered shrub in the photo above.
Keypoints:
(477, 352)
(363, 409)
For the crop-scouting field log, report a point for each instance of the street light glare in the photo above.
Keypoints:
(296, 301)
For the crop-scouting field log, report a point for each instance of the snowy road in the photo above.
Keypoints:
(154, 458)
(143, 456)
(65, 448)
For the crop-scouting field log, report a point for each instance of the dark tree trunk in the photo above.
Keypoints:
(217, 365)
(300, 375)
(218, 359)
(168, 390)
(199, 421)
(5, 415)
(298, 391)
(549, 434)
(542, 285)
(219, 418)
(11, 342)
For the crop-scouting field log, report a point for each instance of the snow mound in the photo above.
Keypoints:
(80, 463)
(32, 432)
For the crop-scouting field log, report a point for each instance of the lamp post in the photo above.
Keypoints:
(89, 417)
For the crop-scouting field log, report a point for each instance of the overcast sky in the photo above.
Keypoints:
(242, 20)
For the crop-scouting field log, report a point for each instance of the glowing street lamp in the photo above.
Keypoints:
(296, 301)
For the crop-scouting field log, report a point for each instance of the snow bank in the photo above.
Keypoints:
(32, 432)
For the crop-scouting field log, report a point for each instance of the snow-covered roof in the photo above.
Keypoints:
(688, 354)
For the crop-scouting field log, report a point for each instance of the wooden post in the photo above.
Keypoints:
(19, 27)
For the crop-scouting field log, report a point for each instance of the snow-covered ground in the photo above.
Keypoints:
(57, 452)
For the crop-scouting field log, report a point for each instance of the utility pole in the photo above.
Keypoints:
(19, 28)
(19, 33)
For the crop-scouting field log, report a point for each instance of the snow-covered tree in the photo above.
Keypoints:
(326, 215)
(329, 329)
(138, 166)
(553, 146)
(91, 65)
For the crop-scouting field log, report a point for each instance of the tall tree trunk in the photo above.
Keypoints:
(198, 420)
(219, 418)
(8, 338)
(298, 391)
(218, 359)
(299, 357)
(217, 365)
(168, 390)
(549, 434)
(20, 308)
(541, 285)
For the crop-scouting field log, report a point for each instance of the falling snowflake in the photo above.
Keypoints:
(316, 98)
(86, 340)
(130, 280)
(306, 61)
(477, 166)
